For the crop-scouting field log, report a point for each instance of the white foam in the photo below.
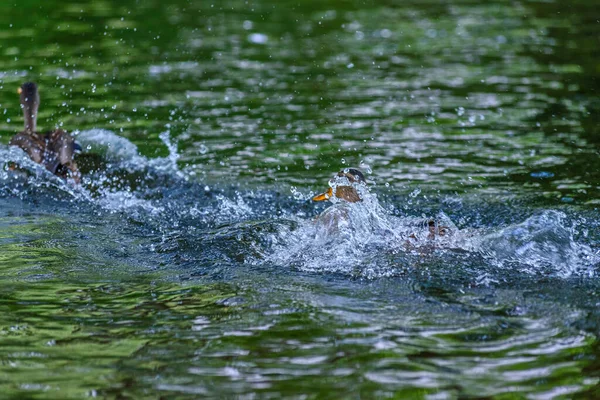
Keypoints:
(111, 146)
(541, 244)
(362, 239)
(350, 238)
(117, 151)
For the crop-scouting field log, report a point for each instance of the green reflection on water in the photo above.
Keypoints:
(283, 92)
(460, 97)
(68, 340)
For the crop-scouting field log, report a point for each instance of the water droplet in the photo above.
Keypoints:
(258, 38)
(385, 33)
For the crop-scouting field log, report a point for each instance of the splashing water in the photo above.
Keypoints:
(173, 156)
(112, 186)
(362, 239)
(229, 209)
(541, 244)
(111, 147)
(115, 148)
(29, 175)
(354, 238)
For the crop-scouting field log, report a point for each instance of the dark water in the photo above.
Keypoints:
(189, 263)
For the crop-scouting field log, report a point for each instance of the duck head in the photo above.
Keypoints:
(343, 186)
(30, 102)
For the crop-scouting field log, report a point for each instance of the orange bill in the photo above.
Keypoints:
(324, 196)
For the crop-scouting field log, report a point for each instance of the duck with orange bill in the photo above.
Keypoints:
(355, 211)
(355, 232)
(53, 149)
(343, 186)
(354, 204)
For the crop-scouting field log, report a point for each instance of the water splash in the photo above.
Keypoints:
(171, 164)
(542, 244)
(119, 150)
(111, 147)
(114, 186)
(358, 239)
(20, 175)
(228, 209)
(364, 240)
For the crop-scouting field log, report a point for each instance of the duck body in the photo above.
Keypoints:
(54, 149)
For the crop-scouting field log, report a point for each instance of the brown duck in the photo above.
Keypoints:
(344, 192)
(347, 192)
(53, 149)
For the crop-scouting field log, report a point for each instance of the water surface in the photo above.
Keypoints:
(189, 263)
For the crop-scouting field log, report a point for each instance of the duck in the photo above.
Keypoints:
(343, 186)
(348, 213)
(349, 186)
(54, 149)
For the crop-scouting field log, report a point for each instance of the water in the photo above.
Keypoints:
(191, 262)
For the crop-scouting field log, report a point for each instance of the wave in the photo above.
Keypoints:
(362, 240)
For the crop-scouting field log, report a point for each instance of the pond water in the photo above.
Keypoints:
(190, 262)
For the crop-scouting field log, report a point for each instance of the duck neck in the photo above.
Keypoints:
(30, 103)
